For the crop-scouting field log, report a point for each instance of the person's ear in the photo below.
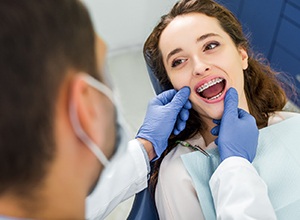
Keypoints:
(85, 103)
(244, 56)
(95, 112)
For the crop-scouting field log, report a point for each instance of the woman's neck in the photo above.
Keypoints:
(206, 134)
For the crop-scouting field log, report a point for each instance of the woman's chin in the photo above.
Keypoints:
(213, 115)
(217, 113)
(211, 111)
(217, 116)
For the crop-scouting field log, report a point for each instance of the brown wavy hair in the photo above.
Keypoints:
(263, 91)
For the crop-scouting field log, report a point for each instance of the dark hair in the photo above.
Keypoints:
(263, 92)
(39, 40)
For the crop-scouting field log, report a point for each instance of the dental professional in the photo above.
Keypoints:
(59, 125)
(61, 136)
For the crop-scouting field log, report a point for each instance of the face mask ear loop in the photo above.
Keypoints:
(84, 137)
(100, 87)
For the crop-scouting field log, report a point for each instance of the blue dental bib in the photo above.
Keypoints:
(277, 161)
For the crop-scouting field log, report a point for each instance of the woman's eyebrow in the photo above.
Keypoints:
(177, 50)
(201, 38)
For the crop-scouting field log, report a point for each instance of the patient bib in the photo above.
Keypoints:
(277, 161)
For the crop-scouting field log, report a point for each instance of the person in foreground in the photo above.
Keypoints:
(200, 44)
(59, 128)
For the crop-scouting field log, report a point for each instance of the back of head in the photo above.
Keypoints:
(39, 40)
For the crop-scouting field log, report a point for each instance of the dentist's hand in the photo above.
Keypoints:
(237, 130)
(166, 112)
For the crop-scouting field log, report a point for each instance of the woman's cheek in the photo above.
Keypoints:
(178, 83)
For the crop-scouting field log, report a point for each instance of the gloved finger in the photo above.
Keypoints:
(165, 97)
(246, 116)
(216, 141)
(180, 98)
(217, 121)
(184, 114)
(215, 130)
(231, 103)
(179, 126)
(242, 113)
(187, 105)
(176, 132)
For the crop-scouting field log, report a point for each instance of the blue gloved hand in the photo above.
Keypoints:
(166, 112)
(237, 130)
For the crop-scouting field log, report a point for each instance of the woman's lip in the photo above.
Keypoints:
(206, 80)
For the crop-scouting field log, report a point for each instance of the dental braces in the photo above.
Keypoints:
(209, 84)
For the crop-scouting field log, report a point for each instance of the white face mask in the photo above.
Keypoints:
(80, 133)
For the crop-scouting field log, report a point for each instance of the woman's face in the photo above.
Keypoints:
(198, 53)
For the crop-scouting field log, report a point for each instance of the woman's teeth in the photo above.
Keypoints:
(212, 89)
(215, 97)
(209, 84)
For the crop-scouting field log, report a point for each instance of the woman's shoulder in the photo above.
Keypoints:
(280, 116)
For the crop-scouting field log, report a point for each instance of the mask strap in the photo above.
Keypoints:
(99, 86)
(77, 126)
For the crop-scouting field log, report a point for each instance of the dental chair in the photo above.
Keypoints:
(143, 207)
(157, 87)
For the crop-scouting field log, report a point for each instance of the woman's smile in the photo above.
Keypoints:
(211, 90)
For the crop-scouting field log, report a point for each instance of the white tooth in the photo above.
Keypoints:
(215, 97)
(209, 84)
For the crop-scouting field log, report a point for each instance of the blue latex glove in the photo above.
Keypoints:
(166, 112)
(237, 130)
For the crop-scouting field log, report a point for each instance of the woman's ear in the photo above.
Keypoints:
(244, 56)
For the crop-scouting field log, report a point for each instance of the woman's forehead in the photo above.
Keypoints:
(192, 22)
(188, 27)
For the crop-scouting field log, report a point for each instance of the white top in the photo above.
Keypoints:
(175, 194)
(176, 197)
(127, 176)
(236, 199)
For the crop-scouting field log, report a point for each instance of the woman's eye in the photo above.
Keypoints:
(211, 46)
(177, 62)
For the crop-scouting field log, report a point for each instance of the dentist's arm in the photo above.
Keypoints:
(166, 113)
(237, 189)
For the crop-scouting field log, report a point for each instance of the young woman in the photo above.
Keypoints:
(200, 44)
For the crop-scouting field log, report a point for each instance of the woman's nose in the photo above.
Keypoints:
(201, 67)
